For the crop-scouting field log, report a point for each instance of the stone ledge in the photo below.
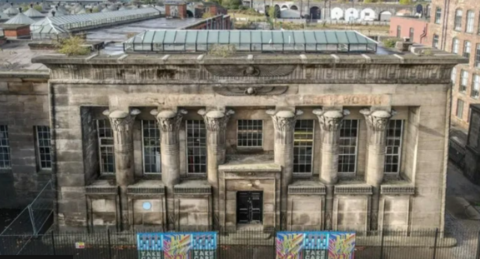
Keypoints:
(304, 187)
(146, 187)
(361, 189)
(100, 190)
(193, 187)
(397, 190)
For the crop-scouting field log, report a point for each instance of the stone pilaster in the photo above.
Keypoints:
(377, 122)
(169, 124)
(330, 122)
(215, 123)
(284, 124)
(122, 126)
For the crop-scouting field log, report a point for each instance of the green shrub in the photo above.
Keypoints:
(405, 1)
(222, 50)
(73, 46)
(390, 42)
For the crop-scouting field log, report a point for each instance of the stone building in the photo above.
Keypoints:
(165, 136)
(455, 27)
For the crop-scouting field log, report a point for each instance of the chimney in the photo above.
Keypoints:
(53, 13)
(20, 9)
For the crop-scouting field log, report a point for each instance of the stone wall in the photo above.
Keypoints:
(24, 104)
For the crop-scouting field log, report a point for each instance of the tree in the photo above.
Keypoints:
(272, 16)
(405, 1)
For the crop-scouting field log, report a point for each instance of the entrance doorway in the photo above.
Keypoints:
(249, 207)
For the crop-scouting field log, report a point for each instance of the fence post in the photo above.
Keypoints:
(53, 243)
(435, 244)
(381, 245)
(32, 220)
(478, 246)
(109, 245)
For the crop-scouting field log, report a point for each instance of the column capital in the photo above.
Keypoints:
(284, 121)
(169, 120)
(377, 120)
(121, 121)
(215, 120)
(330, 120)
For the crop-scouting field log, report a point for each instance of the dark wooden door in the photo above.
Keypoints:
(249, 207)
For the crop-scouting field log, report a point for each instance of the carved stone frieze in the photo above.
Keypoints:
(250, 70)
(250, 90)
(330, 120)
(216, 120)
(377, 120)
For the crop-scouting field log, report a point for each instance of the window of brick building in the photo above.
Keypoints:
(105, 146)
(435, 41)
(393, 148)
(454, 75)
(477, 56)
(411, 34)
(399, 31)
(467, 48)
(4, 147)
(43, 146)
(463, 81)
(438, 15)
(476, 87)
(196, 147)
(250, 133)
(151, 147)
(470, 21)
(455, 43)
(303, 147)
(459, 112)
(347, 156)
(458, 20)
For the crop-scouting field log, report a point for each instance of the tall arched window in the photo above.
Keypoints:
(458, 20)
(455, 43)
(470, 20)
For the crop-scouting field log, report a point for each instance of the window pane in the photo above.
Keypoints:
(151, 147)
(43, 147)
(303, 147)
(4, 147)
(438, 15)
(347, 156)
(458, 19)
(393, 146)
(250, 133)
(196, 147)
(470, 21)
(105, 146)
(460, 105)
(463, 81)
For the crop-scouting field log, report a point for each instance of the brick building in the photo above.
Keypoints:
(413, 28)
(455, 27)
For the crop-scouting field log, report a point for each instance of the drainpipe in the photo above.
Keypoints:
(446, 14)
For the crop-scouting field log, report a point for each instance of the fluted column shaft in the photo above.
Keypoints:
(122, 126)
(377, 122)
(284, 124)
(215, 123)
(169, 124)
(330, 122)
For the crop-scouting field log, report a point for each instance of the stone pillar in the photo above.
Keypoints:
(122, 126)
(284, 124)
(215, 123)
(169, 124)
(330, 123)
(377, 122)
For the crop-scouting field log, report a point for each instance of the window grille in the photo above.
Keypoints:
(196, 147)
(435, 41)
(250, 133)
(4, 147)
(151, 147)
(470, 21)
(347, 156)
(477, 56)
(463, 81)
(438, 15)
(466, 49)
(460, 104)
(393, 148)
(44, 158)
(458, 20)
(476, 87)
(455, 44)
(106, 147)
(303, 147)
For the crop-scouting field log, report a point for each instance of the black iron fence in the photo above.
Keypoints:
(428, 244)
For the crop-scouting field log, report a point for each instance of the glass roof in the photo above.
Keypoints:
(251, 40)
(93, 19)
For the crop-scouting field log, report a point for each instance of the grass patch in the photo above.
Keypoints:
(73, 46)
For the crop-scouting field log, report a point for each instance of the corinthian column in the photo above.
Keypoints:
(284, 124)
(122, 126)
(216, 123)
(330, 123)
(169, 124)
(377, 121)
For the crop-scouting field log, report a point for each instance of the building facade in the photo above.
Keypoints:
(455, 27)
(194, 141)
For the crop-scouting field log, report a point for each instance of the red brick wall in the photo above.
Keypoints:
(419, 28)
(17, 33)
(182, 11)
(446, 33)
